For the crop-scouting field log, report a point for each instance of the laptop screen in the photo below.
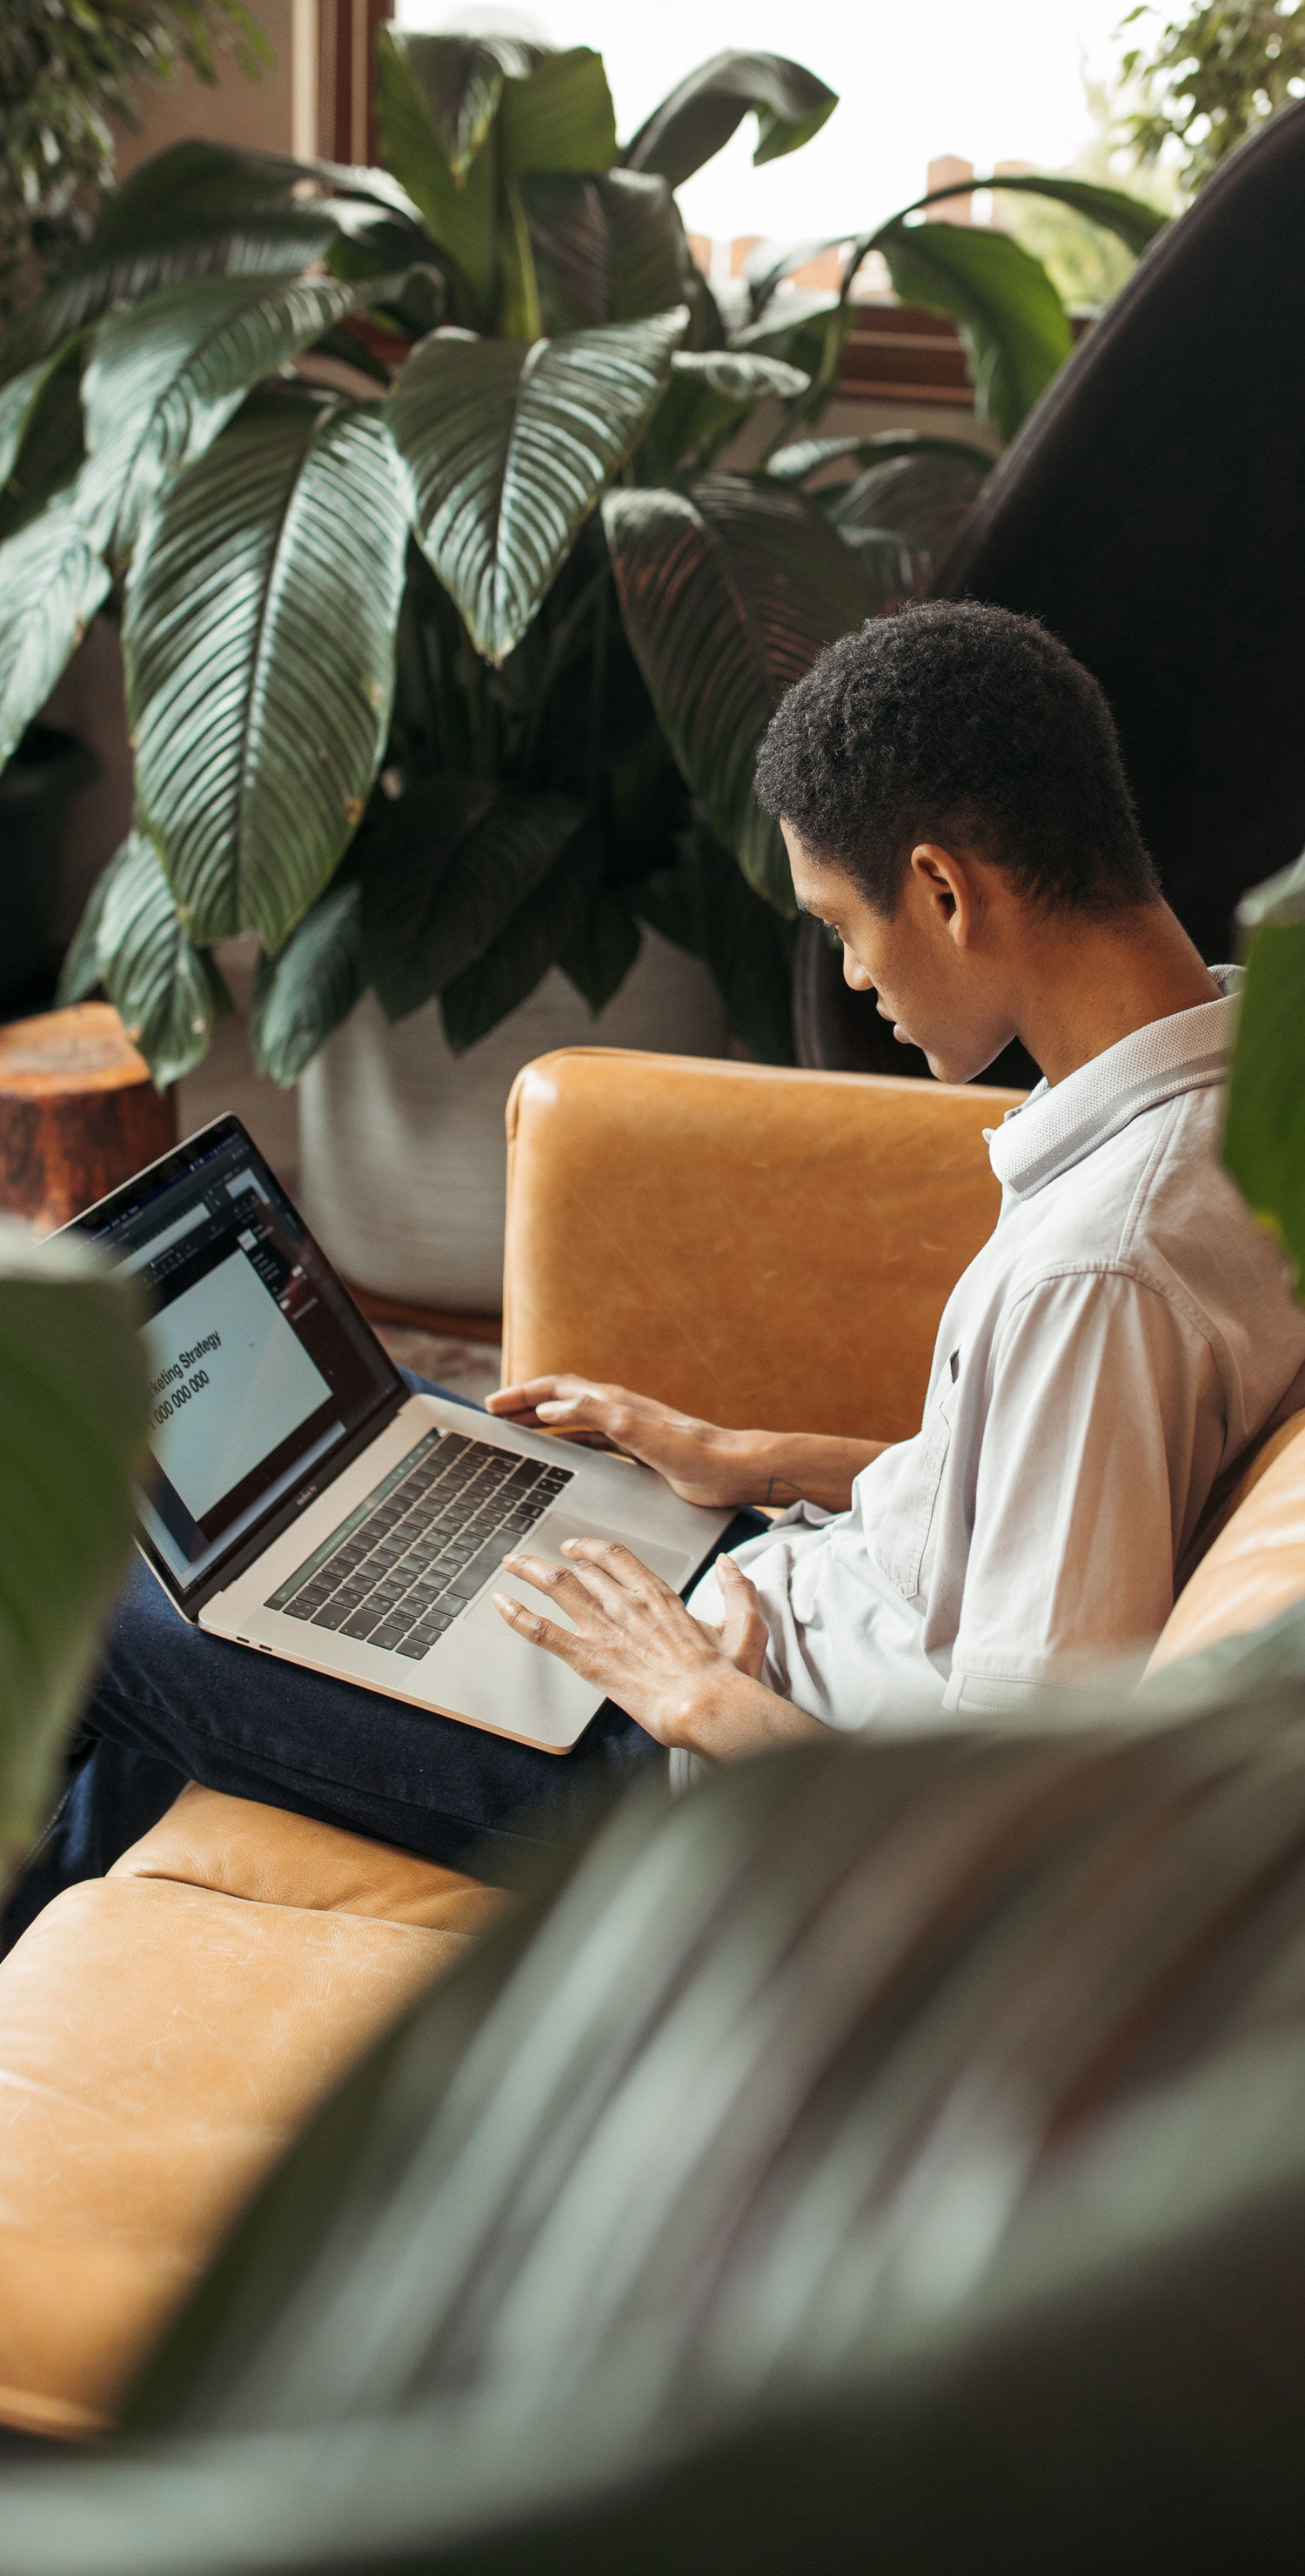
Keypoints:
(260, 1363)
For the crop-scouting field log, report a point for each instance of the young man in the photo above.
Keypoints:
(949, 787)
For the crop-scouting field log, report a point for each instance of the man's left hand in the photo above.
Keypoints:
(680, 1679)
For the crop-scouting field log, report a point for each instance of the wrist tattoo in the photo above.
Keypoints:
(779, 1490)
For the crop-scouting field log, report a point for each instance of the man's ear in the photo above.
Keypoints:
(947, 880)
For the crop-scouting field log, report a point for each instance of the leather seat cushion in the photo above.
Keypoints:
(160, 2045)
(238, 1847)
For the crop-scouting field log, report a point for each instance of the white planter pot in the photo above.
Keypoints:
(403, 1157)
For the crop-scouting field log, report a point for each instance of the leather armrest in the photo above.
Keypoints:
(772, 1250)
(268, 1856)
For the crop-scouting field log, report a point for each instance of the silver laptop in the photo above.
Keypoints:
(305, 1502)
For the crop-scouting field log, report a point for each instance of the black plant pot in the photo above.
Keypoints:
(46, 772)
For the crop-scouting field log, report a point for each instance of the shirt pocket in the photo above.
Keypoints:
(904, 1534)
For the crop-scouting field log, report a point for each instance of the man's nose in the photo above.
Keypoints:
(855, 974)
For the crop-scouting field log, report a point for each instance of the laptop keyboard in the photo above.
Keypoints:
(399, 1570)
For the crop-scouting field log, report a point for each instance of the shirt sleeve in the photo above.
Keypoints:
(1104, 1432)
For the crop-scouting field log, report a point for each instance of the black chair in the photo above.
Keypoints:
(1152, 511)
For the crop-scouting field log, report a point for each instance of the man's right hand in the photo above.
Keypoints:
(699, 1461)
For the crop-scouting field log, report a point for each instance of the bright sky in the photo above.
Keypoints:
(1001, 81)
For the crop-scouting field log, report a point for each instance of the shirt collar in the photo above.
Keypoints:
(1055, 1127)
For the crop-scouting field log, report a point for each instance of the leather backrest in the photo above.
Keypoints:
(770, 1249)
(237, 1847)
(1256, 1566)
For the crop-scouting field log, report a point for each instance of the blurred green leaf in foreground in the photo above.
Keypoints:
(72, 1426)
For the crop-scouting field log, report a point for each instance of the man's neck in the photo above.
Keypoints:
(1097, 982)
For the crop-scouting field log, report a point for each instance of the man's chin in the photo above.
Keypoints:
(950, 1068)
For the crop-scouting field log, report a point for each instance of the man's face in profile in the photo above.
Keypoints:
(930, 977)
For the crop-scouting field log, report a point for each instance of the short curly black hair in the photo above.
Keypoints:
(956, 722)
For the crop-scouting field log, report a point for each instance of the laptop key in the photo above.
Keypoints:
(333, 1616)
(362, 1622)
(467, 1583)
(428, 1634)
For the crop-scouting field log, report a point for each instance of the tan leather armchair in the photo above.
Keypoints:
(764, 1247)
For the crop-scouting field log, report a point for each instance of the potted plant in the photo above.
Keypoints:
(448, 651)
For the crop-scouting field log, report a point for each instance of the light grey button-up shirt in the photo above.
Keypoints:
(1124, 1334)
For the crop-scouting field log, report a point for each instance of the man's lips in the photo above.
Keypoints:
(900, 1032)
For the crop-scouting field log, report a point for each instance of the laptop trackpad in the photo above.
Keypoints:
(546, 1541)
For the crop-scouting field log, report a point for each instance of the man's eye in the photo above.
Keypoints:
(833, 934)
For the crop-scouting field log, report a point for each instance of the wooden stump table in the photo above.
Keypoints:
(78, 1113)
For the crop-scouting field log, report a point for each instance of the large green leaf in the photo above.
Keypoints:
(447, 869)
(904, 515)
(556, 119)
(1130, 219)
(462, 80)
(558, 116)
(166, 375)
(131, 941)
(198, 183)
(703, 111)
(703, 903)
(806, 331)
(599, 952)
(188, 184)
(648, 256)
(606, 250)
(461, 214)
(541, 932)
(710, 394)
(806, 455)
(1015, 329)
(197, 209)
(924, 498)
(300, 996)
(1264, 1141)
(52, 449)
(509, 447)
(211, 209)
(80, 975)
(18, 401)
(276, 245)
(52, 580)
(259, 641)
(729, 591)
(72, 1428)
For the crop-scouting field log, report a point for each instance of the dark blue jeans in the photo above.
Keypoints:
(172, 1705)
